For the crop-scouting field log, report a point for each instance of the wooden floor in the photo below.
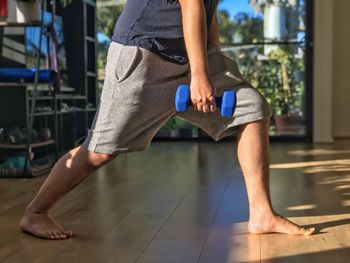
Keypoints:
(186, 202)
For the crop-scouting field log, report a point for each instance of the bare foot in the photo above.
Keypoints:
(275, 223)
(43, 226)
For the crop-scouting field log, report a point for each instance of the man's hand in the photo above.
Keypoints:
(195, 33)
(202, 93)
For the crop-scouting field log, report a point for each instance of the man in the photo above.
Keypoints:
(157, 45)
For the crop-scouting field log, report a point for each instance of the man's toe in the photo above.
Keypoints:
(59, 235)
(51, 235)
(68, 233)
(309, 231)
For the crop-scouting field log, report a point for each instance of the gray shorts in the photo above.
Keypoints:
(139, 93)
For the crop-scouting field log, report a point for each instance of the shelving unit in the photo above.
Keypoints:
(24, 146)
(81, 50)
(78, 97)
(25, 117)
(11, 24)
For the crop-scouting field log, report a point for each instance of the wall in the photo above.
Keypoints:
(341, 68)
(331, 70)
(323, 71)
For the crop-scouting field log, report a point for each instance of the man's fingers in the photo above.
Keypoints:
(206, 108)
(205, 105)
(212, 107)
(211, 98)
(194, 106)
(199, 107)
(194, 103)
(211, 104)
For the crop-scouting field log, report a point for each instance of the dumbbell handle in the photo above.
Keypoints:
(226, 103)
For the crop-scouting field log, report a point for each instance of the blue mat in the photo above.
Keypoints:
(19, 75)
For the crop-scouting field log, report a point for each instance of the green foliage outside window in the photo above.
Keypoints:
(279, 76)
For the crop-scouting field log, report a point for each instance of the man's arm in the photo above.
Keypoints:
(196, 36)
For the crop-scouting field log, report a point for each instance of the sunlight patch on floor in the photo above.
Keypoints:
(310, 164)
(337, 180)
(302, 207)
(327, 168)
(333, 234)
(345, 202)
(317, 152)
(342, 187)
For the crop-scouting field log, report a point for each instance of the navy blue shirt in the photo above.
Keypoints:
(157, 26)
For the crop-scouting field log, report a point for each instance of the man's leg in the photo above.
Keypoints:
(253, 155)
(67, 173)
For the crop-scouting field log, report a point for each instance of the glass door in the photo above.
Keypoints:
(271, 42)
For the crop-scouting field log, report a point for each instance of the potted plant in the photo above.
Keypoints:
(279, 77)
(287, 97)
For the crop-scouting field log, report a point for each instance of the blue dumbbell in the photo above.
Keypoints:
(226, 103)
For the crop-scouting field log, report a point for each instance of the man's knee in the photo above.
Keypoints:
(97, 160)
